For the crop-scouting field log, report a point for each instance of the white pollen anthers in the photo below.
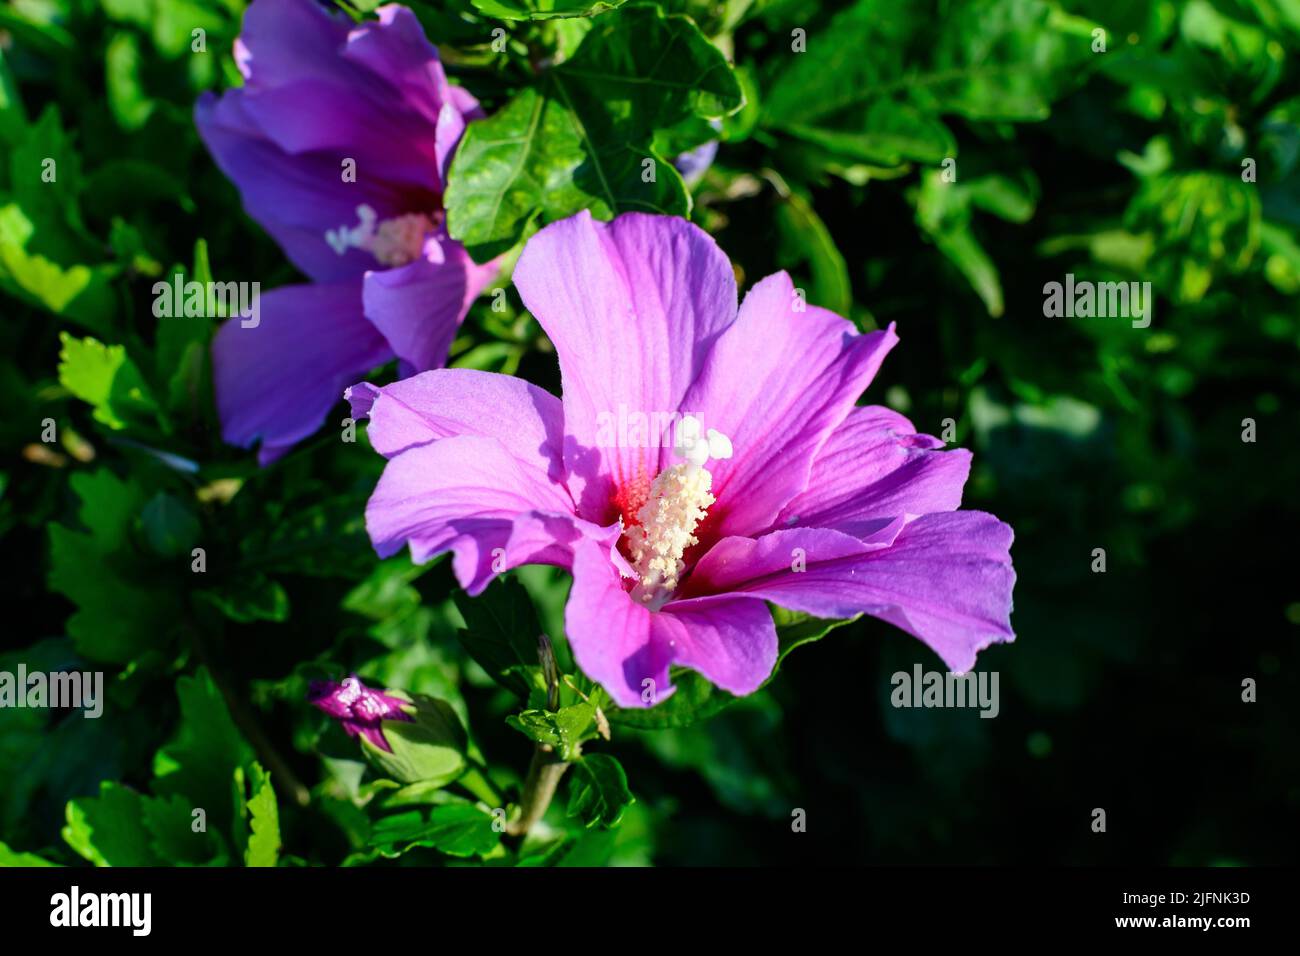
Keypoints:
(393, 242)
(679, 498)
(349, 691)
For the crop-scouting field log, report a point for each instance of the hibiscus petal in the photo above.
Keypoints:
(382, 107)
(945, 578)
(628, 649)
(740, 563)
(447, 133)
(632, 307)
(288, 39)
(873, 466)
(777, 383)
(277, 380)
(731, 640)
(617, 642)
(540, 538)
(295, 198)
(395, 49)
(461, 494)
(419, 307)
(527, 420)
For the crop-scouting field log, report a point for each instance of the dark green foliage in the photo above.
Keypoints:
(934, 164)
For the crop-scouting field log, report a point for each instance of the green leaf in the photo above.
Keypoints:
(109, 830)
(174, 20)
(1282, 263)
(943, 210)
(387, 592)
(598, 791)
(12, 858)
(544, 9)
(130, 104)
(500, 633)
(565, 729)
(249, 597)
(170, 822)
(170, 527)
(105, 378)
(457, 829)
(579, 138)
(80, 292)
(121, 611)
(263, 847)
(1244, 48)
(984, 60)
(890, 133)
(181, 357)
(1006, 60)
(322, 539)
(795, 629)
(805, 238)
(1206, 226)
(206, 751)
(45, 179)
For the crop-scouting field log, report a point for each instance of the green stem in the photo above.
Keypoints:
(543, 778)
(477, 782)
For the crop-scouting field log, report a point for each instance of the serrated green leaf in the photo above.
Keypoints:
(104, 377)
(581, 137)
(458, 829)
(565, 729)
(263, 847)
(598, 791)
(109, 830)
(79, 292)
(983, 60)
(121, 613)
(206, 751)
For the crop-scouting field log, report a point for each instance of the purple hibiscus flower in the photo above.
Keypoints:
(358, 708)
(702, 461)
(339, 142)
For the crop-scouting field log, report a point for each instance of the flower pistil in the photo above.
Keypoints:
(679, 498)
(393, 242)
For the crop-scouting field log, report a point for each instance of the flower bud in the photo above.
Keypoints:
(429, 748)
(411, 738)
(357, 707)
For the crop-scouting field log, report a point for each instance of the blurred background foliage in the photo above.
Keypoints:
(1135, 140)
